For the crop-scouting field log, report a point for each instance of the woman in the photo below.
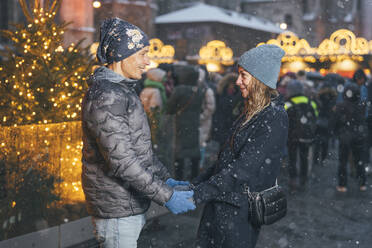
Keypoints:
(251, 156)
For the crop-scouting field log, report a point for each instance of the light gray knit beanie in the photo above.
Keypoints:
(263, 63)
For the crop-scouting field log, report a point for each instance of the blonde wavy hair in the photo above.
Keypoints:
(259, 97)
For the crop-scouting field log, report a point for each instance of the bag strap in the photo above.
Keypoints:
(188, 103)
(247, 190)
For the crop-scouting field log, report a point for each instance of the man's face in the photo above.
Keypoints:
(243, 82)
(133, 66)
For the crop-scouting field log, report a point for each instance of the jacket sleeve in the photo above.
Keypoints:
(209, 105)
(111, 129)
(162, 172)
(252, 166)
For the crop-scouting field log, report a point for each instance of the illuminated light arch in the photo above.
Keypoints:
(296, 49)
(344, 42)
(214, 54)
(160, 53)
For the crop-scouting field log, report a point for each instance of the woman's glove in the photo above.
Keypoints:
(180, 202)
(171, 182)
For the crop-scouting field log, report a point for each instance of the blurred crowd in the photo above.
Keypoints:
(191, 111)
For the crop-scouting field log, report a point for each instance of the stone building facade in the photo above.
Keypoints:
(313, 20)
(187, 39)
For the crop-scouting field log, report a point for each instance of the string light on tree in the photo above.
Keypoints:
(37, 67)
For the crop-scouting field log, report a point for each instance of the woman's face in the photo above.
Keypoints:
(243, 82)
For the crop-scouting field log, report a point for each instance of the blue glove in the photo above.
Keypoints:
(180, 202)
(171, 182)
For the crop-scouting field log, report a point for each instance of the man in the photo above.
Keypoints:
(302, 114)
(121, 174)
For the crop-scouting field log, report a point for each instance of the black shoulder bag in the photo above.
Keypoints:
(268, 206)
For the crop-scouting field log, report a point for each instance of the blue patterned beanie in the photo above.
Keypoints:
(119, 40)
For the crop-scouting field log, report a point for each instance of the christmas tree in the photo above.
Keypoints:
(40, 80)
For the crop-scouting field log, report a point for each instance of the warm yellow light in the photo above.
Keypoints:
(213, 67)
(96, 4)
(59, 49)
(283, 25)
(13, 204)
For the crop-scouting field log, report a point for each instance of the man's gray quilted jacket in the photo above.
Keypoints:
(121, 175)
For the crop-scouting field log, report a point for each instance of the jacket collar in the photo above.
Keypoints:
(277, 101)
(104, 73)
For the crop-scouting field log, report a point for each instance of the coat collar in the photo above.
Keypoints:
(104, 73)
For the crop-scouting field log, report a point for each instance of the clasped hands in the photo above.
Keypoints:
(181, 201)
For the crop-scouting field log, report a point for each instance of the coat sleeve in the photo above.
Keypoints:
(254, 166)
(113, 137)
(209, 105)
(162, 172)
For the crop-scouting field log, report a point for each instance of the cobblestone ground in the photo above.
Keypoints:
(319, 216)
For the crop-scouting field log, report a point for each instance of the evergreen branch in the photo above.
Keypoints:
(55, 6)
(6, 33)
(37, 4)
(46, 5)
(26, 11)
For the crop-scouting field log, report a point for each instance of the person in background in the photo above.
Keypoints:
(283, 81)
(351, 129)
(251, 157)
(169, 78)
(229, 106)
(208, 108)
(121, 174)
(326, 101)
(369, 123)
(154, 98)
(302, 114)
(185, 103)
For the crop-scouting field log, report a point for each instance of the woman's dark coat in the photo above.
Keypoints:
(253, 160)
(185, 103)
